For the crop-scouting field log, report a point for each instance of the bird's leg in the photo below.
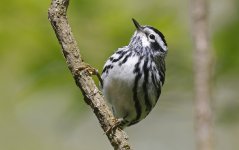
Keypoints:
(90, 70)
(118, 124)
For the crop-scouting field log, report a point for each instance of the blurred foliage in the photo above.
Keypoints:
(230, 114)
(40, 106)
(226, 46)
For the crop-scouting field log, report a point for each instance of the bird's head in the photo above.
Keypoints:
(150, 37)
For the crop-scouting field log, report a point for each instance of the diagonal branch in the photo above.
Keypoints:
(93, 97)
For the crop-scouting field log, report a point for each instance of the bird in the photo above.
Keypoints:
(133, 76)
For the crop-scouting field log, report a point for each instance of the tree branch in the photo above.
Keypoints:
(93, 97)
(202, 75)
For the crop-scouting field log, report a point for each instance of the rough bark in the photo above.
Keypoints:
(92, 95)
(202, 75)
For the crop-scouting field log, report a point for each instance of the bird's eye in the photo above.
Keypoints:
(151, 36)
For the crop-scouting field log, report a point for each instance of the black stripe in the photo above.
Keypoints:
(111, 58)
(135, 93)
(159, 33)
(145, 83)
(162, 71)
(121, 55)
(136, 99)
(153, 80)
(125, 59)
(161, 74)
(158, 93)
(155, 46)
(119, 51)
(107, 68)
(156, 82)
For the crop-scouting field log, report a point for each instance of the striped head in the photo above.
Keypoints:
(148, 37)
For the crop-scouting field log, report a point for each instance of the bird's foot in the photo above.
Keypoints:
(118, 124)
(89, 70)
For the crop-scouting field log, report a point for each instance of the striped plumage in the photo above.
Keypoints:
(133, 75)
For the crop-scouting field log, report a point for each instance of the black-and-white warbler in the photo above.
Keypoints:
(133, 76)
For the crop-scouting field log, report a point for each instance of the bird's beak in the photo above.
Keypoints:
(137, 25)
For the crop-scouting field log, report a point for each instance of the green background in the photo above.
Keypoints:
(42, 109)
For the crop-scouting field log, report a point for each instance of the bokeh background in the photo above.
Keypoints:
(42, 109)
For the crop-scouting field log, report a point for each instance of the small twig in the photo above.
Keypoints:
(93, 97)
